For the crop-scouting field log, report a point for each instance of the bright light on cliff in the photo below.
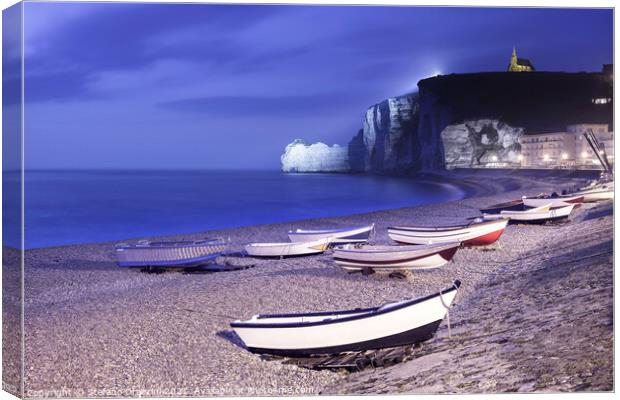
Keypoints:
(436, 73)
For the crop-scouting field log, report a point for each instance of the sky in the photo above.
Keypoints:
(198, 86)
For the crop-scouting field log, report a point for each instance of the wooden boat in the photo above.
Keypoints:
(287, 249)
(473, 234)
(555, 201)
(180, 254)
(601, 184)
(596, 194)
(301, 335)
(358, 234)
(534, 215)
(395, 257)
(514, 205)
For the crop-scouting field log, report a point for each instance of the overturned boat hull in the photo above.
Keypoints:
(169, 254)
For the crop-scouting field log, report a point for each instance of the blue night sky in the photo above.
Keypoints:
(176, 86)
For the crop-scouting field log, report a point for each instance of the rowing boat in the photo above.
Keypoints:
(180, 254)
(401, 323)
(359, 234)
(473, 234)
(596, 194)
(394, 257)
(555, 201)
(287, 249)
(534, 215)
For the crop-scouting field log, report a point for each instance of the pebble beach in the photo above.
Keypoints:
(534, 312)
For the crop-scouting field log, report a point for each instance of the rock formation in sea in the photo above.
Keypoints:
(466, 120)
(481, 142)
(317, 157)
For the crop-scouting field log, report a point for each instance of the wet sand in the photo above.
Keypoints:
(533, 313)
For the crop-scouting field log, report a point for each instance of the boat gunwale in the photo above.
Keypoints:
(361, 313)
(532, 211)
(564, 198)
(401, 248)
(289, 244)
(441, 228)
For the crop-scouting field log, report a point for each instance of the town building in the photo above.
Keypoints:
(547, 150)
(519, 64)
(584, 156)
(567, 149)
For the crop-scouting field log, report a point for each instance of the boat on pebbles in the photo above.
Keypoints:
(359, 234)
(181, 254)
(377, 258)
(472, 234)
(301, 335)
(600, 193)
(541, 214)
(287, 249)
(555, 201)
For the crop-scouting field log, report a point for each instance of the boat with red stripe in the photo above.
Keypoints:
(472, 234)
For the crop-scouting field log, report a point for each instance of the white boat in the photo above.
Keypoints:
(300, 335)
(596, 194)
(473, 234)
(287, 249)
(358, 234)
(395, 257)
(169, 254)
(534, 215)
(559, 201)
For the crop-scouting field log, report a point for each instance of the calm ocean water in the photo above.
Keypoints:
(65, 207)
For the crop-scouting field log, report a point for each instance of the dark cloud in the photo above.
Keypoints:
(110, 72)
(266, 106)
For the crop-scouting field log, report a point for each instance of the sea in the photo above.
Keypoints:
(75, 207)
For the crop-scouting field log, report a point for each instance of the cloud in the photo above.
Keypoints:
(265, 106)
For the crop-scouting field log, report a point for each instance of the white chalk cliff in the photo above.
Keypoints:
(478, 143)
(317, 157)
(384, 143)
